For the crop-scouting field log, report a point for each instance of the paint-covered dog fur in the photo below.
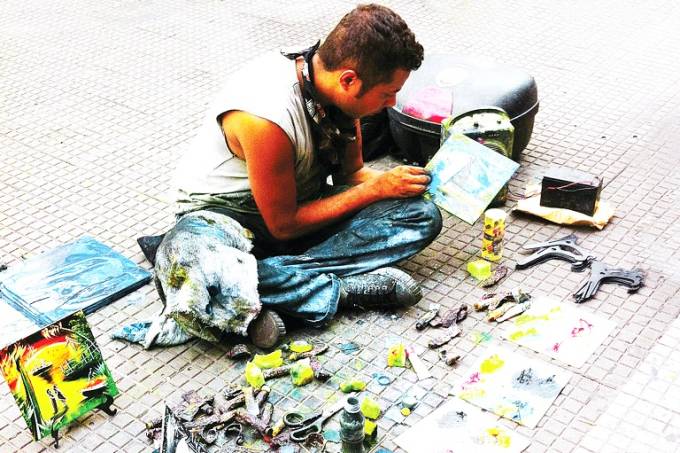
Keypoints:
(207, 280)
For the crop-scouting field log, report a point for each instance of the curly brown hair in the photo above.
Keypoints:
(376, 41)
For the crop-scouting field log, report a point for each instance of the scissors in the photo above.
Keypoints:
(305, 425)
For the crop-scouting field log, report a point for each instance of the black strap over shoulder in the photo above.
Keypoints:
(332, 129)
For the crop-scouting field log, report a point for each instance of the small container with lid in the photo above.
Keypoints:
(352, 427)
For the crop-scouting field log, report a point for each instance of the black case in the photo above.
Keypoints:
(570, 189)
(471, 83)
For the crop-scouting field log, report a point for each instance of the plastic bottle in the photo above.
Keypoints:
(352, 427)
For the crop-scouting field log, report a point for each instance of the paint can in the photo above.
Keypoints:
(492, 238)
(352, 427)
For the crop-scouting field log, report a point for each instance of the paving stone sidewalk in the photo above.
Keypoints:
(99, 98)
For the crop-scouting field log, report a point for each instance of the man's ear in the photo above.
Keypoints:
(350, 81)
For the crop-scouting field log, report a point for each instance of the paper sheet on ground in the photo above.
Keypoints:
(561, 330)
(512, 385)
(458, 426)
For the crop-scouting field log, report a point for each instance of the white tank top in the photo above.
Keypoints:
(267, 87)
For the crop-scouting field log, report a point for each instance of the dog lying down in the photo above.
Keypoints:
(207, 280)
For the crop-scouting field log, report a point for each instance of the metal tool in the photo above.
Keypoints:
(449, 334)
(455, 315)
(235, 428)
(601, 273)
(428, 316)
(565, 249)
(499, 274)
(305, 425)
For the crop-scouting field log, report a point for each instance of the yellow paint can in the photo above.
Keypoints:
(492, 237)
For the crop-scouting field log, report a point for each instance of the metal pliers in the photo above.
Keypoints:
(601, 273)
(565, 249)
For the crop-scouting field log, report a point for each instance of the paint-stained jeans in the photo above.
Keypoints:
(300, 278)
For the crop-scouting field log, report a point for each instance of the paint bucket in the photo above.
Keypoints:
(492, 237)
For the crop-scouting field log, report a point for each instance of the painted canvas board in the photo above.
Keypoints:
(82, 275)
(563, 331)
(13, 325)
(512, 385)
(466, 176)
(57, 374)
(458, 426)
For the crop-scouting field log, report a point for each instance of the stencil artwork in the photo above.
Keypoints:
(459, 426)
(466, 176)
(57, 374)
(567, 333)
(512, 385)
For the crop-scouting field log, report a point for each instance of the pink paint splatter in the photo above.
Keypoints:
(583, 325)
(474, 378)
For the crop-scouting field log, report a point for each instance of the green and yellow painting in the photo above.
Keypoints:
(57, 374)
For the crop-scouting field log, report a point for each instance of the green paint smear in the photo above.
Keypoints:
(177, 275)
(481, 337)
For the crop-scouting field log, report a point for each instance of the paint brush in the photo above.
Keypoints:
(514, 311)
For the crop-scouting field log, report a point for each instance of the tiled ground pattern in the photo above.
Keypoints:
(98, 98)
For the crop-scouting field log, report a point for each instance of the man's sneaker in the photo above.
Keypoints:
(386, 287)
(265, 330)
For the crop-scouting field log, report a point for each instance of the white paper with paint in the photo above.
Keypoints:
(458, 426)
(512, 385)
(563, 331)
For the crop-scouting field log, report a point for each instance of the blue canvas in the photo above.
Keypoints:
(466, 176)
(83, 275)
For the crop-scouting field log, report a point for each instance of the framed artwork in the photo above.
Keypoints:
(458, 426)
(512, 385)
(562, 331)
(57, 374)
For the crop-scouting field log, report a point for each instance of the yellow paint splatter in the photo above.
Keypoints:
(505, 411)
(523, 333)
(502, 439)
(491, 365)
(526, 319)
(472, 394)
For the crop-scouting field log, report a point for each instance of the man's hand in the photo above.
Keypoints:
(403, 181)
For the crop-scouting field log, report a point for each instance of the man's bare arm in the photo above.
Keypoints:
(270, 160)
(353, 170)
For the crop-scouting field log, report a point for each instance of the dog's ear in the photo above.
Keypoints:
(149, 246)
